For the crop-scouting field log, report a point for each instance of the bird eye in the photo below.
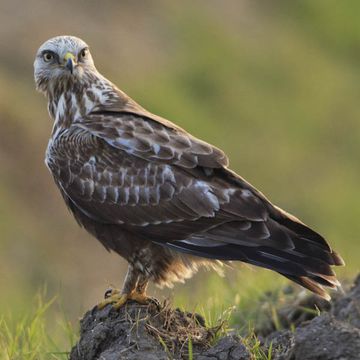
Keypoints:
(48, 56)
(83, 54)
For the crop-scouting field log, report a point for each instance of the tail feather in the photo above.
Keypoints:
(292, 223)
(311, 285)
(302, 255)
(338, 260)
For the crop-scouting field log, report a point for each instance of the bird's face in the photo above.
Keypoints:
(60, 60)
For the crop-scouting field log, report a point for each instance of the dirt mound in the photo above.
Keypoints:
(333, 335)
(150, 332)
(141, 332)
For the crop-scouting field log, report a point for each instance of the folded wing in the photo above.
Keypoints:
(158, 181)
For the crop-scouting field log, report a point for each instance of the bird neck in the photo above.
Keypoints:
(72, 101)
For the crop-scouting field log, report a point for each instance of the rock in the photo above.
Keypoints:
(334, 335)
(281, 342)
(140, 332)
(347, 308)
(324, 338)
(311, 330)
(228, 348)
(111, 335)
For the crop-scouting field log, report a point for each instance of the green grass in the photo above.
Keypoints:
(32, 336)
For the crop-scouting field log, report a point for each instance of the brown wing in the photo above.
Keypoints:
(158, 181)
(112, 186)
(152, 141)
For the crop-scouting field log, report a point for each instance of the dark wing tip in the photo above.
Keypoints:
(315, 287)
(338, 260)
(310, 284)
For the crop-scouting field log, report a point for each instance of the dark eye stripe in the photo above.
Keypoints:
(47, 52)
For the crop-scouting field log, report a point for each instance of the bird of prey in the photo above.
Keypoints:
(156, 195)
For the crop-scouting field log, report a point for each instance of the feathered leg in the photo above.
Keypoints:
(142, 284)
(130, 281)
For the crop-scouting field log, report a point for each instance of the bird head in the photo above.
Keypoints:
(62, 59)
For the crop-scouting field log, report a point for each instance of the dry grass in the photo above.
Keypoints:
(180, 332)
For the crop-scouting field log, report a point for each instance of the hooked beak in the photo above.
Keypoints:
(70, 61)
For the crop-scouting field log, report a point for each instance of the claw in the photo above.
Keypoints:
(109, 292)
(117, 299)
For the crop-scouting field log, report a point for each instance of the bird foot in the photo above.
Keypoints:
(118, 299)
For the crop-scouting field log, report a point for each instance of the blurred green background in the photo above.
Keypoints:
(276, 84)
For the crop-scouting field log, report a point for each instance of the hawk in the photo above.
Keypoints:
(156, 195)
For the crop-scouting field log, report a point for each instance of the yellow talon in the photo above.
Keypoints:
(118, 300)
(139, 298)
